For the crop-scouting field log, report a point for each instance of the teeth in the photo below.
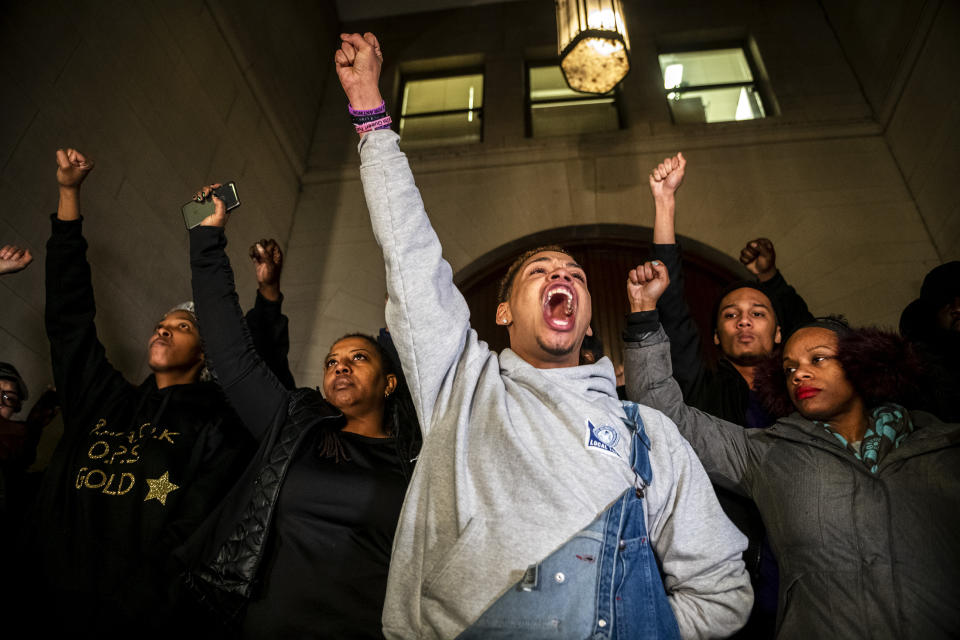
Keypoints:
(568, 306)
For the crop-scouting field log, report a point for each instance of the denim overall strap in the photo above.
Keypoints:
(635, 594)
(602, 584)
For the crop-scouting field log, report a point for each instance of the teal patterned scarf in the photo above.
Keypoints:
(889, 424)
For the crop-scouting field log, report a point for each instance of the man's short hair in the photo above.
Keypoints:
(745, 284)
(506, 284)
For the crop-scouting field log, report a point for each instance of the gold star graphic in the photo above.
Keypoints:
(160, 487)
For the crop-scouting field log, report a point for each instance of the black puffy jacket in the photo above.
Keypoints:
(222, 561)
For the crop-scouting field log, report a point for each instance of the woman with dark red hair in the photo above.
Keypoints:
(859, 495)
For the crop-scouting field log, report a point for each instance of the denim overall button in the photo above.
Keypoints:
(622, 545)
(601, 623)
(559, 577)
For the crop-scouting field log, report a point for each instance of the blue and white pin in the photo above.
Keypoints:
(603, 438)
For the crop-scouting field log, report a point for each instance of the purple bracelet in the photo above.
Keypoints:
(382, 123)
(366, 112)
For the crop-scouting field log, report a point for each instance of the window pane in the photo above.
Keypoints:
(571, 118)
(715, 105)
(694, 68)
(557, 110)
(453, 128)
(547, 83)
(443, 94)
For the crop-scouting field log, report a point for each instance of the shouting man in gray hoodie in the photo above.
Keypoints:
(540, 506)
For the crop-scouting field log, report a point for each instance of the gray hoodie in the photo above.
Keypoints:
(508, 471)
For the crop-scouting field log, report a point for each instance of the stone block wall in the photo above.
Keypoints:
(820, 177)
(166, 97)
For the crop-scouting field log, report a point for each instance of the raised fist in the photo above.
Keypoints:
(13, 259)
(667, 177)
(267, 260)
(358, 62)
(72, 168)
(646, 284)
(760, 259)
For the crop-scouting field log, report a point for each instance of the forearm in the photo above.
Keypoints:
(69, 205)
(677, 320)
(428, 317)
(269, 329)
(270, 292)
(78, 358)
(253, 390)
(664, 221)
(790, 304)
(721, 446)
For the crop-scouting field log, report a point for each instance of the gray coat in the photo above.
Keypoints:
(860, 555)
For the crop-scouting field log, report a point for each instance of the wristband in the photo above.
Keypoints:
(369, 118)
(382, 108)
(382, 123)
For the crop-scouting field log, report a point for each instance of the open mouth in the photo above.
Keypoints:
(559, 307)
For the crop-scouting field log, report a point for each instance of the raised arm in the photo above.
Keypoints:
(253, 390)
(428, 317)
(81, 371)
(726, 451)
(269, 328)
(760, 259)
(699, 549)
(685, 350)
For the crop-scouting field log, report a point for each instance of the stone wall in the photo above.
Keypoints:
(165, 96)
(818, 177)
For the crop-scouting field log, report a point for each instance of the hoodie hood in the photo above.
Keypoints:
(593, 381)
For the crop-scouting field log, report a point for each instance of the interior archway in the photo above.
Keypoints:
(607, 252)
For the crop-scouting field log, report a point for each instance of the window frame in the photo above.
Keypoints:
(433, 75)
(759, 82)
(528, 101)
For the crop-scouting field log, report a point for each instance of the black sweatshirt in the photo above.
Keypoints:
(136, 471)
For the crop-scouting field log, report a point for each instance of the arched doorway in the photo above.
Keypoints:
(607, 252)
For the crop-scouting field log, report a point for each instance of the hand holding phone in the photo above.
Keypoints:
(201, 207)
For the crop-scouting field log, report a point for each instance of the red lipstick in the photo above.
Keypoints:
(806, 392)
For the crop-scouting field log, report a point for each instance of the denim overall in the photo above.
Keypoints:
(602, 584)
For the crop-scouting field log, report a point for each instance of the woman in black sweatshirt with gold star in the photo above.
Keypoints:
(138, 467)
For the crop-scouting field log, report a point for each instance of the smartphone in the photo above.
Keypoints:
(194, 212)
